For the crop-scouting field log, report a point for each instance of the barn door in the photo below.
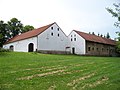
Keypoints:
(73, 50)
(31, 47)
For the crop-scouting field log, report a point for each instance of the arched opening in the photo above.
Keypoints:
(11, 48)
(31, 47)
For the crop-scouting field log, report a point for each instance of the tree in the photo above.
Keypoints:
(27, 28)
(15, 27)
(118, 42)
(115, 13)
(11, 29)
(3, 33)
(108, 36)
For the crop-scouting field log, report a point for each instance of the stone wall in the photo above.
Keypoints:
(98, 49)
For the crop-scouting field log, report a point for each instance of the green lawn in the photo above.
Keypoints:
(32, 71)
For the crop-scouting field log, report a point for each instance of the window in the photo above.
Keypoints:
(51, 34)
(102, 49)
(52, 28)
(93, 48)
(107, 50)
(58, 35)
(71, 35)
(88, 48)
(58, 29)
(71, 39)
(74, 39)
(97, 49)
(75, 35)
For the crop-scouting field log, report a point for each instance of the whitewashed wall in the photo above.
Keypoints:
(79, 44)
(55, 43)
(22, 46)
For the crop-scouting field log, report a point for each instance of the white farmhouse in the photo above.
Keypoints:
(46, 39)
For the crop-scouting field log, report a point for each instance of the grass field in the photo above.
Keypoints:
(32, 71)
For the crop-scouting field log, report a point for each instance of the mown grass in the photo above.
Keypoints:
(33, 71)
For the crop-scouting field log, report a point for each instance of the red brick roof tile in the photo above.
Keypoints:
(94, 38)
(29, 34)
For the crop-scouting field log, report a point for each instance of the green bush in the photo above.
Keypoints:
(4, 50)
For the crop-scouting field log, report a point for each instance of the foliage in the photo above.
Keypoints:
(27, 28)
(11, 29)
(29, 71)
(3, 32)
(15, 27)
(115, 13)
(4, 50)
(118, 46)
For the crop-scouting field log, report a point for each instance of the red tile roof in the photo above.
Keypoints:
(29, 34)
(94, 38)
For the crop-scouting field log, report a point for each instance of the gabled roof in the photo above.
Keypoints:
(29, 34)
(94, 38)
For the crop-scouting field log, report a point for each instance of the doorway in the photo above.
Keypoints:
(73, 50)
(11, 48)
(31, 47)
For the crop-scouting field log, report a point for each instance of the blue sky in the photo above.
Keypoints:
(82, 15)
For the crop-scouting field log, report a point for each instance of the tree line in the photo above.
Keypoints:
(12, 28)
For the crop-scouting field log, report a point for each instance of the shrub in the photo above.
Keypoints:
(4, 50)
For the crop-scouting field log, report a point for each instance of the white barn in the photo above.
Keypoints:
(87, 44)
(46, 39)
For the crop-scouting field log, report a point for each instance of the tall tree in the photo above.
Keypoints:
(15, 27)
(11, 29)
(27, 28)
(118, 42)
(115, 13)
(3, 33)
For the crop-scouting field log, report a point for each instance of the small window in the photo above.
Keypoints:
(97, 49)
(51, 34)
(75, 35)
(88, 48)
(93, 48)
(107, 50)
(71, 39)
(52, 28)
(74, 39)
(58, 29)
(58, 35)
(102, 49)
(71, 35)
